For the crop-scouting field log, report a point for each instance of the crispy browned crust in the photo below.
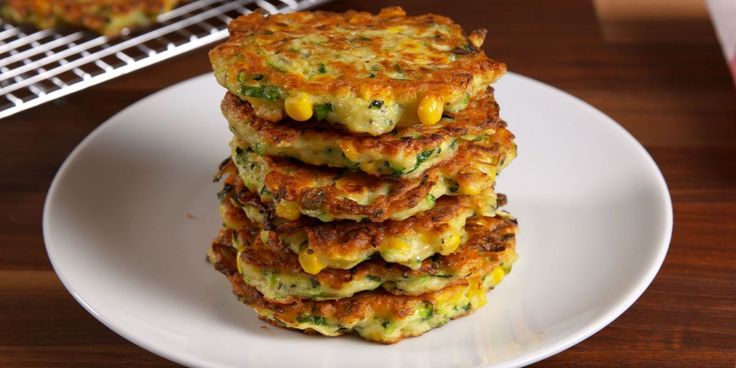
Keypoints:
(345, 311)
(101, 16)
(234, 189)
(489, 239)
(342, 236)
(480, 117)
(296, 182)
(271, 34)
(291, 181)
(401, 60)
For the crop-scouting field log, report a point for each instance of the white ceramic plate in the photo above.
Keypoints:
(130, 215)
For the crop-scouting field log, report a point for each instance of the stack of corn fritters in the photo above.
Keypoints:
(359, 196)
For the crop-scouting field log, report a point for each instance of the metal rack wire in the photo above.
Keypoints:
(40, 66)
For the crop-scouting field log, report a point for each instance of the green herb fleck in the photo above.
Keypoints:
(260, 149)
(258, 77)
(395, 171)
(374, 278)
(466, 99)
(442, 275)
(269, 93)
(312, 319)
(427, 311)
(322, 68)
(423, 156)
(321, 110)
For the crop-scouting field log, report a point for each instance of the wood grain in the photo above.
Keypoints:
(675, 97)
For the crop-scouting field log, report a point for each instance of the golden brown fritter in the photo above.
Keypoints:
(343, 244)
(365, 73)
(108, 17)
(268, 264)
(406, 152)
(296, 188)
(377, 316)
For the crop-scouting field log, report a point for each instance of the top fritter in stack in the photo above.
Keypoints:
(359, 196)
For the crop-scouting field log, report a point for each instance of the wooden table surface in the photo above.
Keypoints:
(665, 80)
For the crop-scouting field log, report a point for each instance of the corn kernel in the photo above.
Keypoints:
(485, 203)
(451, 243)
(471, 188)
(497, 275)
(311, 264)
(350, 152)
(298, 107)
(430, 109)
(287, 210)
(476, 291)
(239, 262)
(397, 244)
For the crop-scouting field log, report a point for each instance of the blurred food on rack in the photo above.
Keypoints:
(107, 17)
(39, 66)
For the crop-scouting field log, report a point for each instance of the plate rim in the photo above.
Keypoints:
(595, 325)
(665, 235)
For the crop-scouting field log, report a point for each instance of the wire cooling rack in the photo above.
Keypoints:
(40, 66)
